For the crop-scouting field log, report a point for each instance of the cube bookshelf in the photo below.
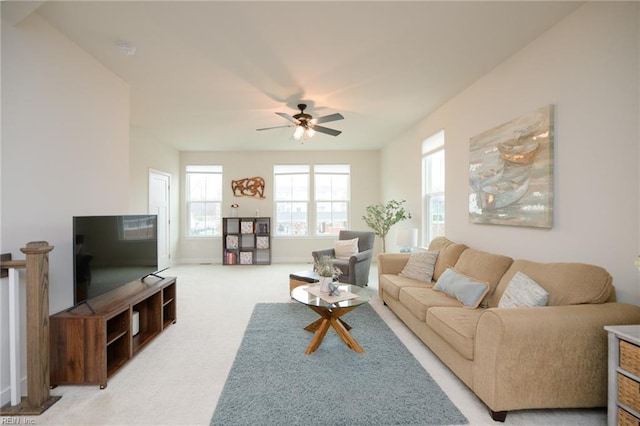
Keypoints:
(246, 241)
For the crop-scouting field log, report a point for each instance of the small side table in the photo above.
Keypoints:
(623, 405)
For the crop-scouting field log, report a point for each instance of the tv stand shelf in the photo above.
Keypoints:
(92, 341)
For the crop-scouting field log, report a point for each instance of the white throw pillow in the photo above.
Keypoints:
(467, 290)
(420, 265)
(523, 292)
(344, 249)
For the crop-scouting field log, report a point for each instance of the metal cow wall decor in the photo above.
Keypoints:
(248, 187)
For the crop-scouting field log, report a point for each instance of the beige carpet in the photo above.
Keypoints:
(177, 379)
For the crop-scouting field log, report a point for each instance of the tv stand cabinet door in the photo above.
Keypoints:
(78, 351)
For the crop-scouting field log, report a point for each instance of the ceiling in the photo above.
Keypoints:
(207, 74)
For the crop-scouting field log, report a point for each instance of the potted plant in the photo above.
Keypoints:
(327, 271)
(381, 217)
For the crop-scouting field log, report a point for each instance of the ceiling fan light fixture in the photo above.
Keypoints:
(303, 132)
(306, 126)
(298, 133)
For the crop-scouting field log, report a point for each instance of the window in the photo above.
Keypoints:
(204, 200)
(331, 182)
(433, 186)
(291, 189)
(323, 203)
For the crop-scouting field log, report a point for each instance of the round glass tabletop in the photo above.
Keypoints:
(358, 296)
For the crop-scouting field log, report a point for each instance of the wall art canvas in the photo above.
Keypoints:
(511, 172)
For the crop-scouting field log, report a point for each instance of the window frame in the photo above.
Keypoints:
(203, 169)
(432, 147)
(280, 170)
(333, 170)
(312, 172)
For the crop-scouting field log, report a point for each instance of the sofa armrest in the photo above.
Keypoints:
(392, 263)
(538, 357)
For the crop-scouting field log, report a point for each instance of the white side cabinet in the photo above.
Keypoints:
(624, 375)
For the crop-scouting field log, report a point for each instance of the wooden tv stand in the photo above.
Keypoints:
(88, 347)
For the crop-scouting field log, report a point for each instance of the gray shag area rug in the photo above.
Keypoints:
(273, 382)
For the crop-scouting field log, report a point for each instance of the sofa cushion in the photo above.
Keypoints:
(465, 289)
(456, 326)
(523, 292)
(448, 255)
(485, 267)
(419, 299)
(566, 283)
(391, 284)
(420, 265)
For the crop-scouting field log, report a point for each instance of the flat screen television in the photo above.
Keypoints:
(111, 251)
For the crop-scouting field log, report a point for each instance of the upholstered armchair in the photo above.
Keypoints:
(355, 268)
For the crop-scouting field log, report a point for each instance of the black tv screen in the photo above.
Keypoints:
(111, 251)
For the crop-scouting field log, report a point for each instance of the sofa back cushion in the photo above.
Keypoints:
(485, 267)
(566, 283)
(448, 255)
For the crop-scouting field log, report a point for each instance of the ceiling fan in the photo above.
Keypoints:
(305, 125)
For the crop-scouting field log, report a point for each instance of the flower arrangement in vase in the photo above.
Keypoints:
(326, 270)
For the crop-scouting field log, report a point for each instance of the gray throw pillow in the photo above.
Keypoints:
(523, 292)
(420, 265)
(465, 289)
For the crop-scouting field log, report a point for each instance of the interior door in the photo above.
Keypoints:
(159, 204)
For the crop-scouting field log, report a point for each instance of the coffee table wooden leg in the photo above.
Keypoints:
(317, 338)
(331, 318)
(314, 325)
(347, 326)
(344, 334)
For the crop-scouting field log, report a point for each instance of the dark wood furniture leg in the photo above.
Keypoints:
(498, 416)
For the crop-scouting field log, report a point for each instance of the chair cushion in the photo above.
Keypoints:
(448, 255)
(566, 283)
(523, 292)
(485, 267)
(420, 265)
(465, 289)
(392, 284)
(456, 326)
(420, 299)
(344, 249)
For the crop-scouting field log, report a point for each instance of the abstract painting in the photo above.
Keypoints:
(511, 172)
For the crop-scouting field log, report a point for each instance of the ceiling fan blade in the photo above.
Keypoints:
(326, 130)
(275, 127)
(327, 118)
(288, 117)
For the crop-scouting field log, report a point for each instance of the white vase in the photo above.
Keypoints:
(324, 284)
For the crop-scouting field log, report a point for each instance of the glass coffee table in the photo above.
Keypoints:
(330, 313)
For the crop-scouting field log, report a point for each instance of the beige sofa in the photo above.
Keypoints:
(519, 358)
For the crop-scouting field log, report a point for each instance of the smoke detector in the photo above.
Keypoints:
(126, 48)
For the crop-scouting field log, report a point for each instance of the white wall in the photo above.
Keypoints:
(148, 153)
(65, 151)
(243, 164)
(587, 65)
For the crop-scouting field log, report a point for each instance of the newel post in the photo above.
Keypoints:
(37, 282)
(37, 269)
